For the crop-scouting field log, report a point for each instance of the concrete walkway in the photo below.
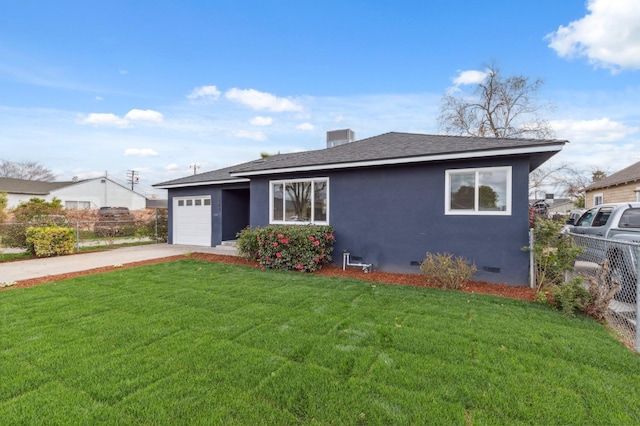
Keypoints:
(37, 268)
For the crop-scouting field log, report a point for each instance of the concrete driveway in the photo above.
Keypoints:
(37, 268)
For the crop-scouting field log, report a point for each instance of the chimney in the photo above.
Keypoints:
(340, 137)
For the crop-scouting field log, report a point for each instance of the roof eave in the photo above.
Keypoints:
(27, 192)
(202, 183)
(609, 185)
(405, 160)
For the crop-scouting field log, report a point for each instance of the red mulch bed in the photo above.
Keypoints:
(523, 293)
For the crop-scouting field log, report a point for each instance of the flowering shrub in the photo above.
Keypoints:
(288, 247)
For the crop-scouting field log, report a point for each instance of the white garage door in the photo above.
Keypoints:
(192, 220)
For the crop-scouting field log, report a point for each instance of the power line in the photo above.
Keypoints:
(133, 178)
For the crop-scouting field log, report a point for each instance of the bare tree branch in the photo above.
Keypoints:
(28, 170)
(501, 107)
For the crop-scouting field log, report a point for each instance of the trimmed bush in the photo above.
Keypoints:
(447, 270)
(50, 241)
(571, 296)
(302, 248)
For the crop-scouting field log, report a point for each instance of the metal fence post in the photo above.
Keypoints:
(637, 342)
(156, 230)
(77, 237)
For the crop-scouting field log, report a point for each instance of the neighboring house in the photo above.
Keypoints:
(561, 206)
(390, 198)
(555, 206)
(82, 194)
(620, 187)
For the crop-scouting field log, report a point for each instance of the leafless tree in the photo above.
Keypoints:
(28, 170)
(575, 182)
(501, 107)
(545, 178)
(563, 180)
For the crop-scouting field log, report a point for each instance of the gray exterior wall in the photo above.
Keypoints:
(392, 216)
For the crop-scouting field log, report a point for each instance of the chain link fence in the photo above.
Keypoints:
(93, 233)
(612, 266)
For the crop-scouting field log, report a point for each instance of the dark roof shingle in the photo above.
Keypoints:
(388, 146)
(36, 187)
(630, 174)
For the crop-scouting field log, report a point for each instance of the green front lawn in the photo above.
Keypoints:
(191, 342)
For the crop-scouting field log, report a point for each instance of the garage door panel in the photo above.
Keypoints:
(192, 221)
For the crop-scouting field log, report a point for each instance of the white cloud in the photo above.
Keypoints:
(103, 120)
(261, 100)
(144, 115)
(470, 77)
(112, 120)
(172, 166)
(256, 136)
(98, 98)
(261, 121)
(205, 93)
(594, 131)
(123, 71)
(608, 35)
(140, 152)
(305, 126)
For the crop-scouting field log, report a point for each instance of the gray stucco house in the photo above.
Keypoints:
(391, 198)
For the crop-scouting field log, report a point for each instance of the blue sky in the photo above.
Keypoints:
(156, 86)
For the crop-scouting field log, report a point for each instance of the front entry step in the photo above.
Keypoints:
(227, 247)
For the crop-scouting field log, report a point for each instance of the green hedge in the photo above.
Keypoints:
(13, 235)
(288, 247)
(50, 241)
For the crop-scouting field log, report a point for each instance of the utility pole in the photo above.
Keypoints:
(133, 178)
(195, 167)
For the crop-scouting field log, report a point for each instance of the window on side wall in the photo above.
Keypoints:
(478, 191)
(299, 201)
(598, 199)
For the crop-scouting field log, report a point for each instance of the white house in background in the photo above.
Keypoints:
(82, 194)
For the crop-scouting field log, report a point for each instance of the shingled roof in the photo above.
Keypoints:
(385, 149)
(214, 177)
(628, 175)
(35, 187)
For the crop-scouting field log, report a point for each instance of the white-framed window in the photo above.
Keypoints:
(299, 201)
(196, 201)
(77, 205)
(478, 191)
(598, 199)
(638, 194)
